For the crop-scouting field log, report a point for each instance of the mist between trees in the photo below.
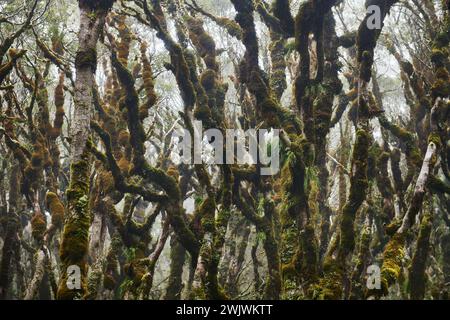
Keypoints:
(351, 98)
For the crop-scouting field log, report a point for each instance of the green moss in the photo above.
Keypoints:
(392, 261)
(75, 238)
(358, 191)
(434, 137)
(136, 270)
(206, 211)
(417, 278)
(329, 287)
(441, 88)
(438, 185)
(75, 241)
(392, 227)
(438, 57)
(86, 59)
(309, 249)
(231, 26)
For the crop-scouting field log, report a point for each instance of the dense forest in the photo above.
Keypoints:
(97, 203)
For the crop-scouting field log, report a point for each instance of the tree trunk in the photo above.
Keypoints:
(74, 246)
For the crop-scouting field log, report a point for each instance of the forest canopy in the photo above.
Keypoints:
(105, 194)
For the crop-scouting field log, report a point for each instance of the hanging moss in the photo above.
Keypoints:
(124, 138)
(124, 166)
(56, 208)
(33, 174)
(149, 85)
(125, 35)
(55, 131)
(38, 226)
(135, 270)
(208, 79)
(203, 42)
(441, 87)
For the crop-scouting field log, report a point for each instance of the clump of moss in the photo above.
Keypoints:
(86, 59)
(329, 287)
(208, 79)
(392, 227)
(38, 226)
(441, 87)
(56, 208)
(59, 104)
(434, 137)
(173, 172)
(37, 157)
(124, 166)
(136, 270)
(203, 42)
(438, 57)
(206, 212)
(75, 241)
(231, 26)
(33, 170)
(149, 85)
(108, 282)
(124, 138)
(392, 261)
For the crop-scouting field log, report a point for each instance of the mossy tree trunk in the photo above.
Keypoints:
(74, 246)
(11, 240)
(178, 257)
